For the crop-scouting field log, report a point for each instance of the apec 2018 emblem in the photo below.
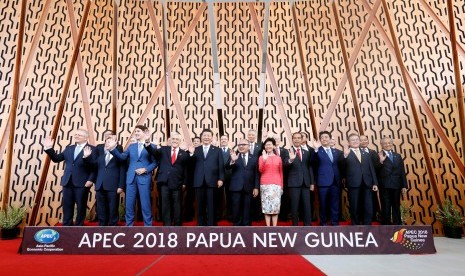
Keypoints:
(47, 236)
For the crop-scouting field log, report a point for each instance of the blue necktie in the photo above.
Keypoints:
(390, 156)
(77, 150)
(140, 148)
(330, 154)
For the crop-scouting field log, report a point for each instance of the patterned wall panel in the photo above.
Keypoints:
(239, 57)
(427, 55)
(380, 90)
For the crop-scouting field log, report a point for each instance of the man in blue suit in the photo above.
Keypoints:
(138, 176)
(111, 177)
(245, 182)
(392, 182)
(171, 177)
(360, 180)
(208, 177)
(328, 178)
(299, 180)
(77, 178)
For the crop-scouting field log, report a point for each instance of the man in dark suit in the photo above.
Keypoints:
(254, 147)
(360, 180)
(208, 177)
(171, 177)
(139, 175)
(245, 183)
(364, 142)
(328, 178)
(77, 178)
(300, 180)
(224, 203)
(392, 182)
(285, 201)
(189, 196)
(111, 177)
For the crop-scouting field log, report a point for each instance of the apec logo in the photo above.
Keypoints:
(46, 236)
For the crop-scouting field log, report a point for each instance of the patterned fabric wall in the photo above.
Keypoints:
(51, 32)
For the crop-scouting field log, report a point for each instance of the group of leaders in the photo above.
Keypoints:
(254, 178)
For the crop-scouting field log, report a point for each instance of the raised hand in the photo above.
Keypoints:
(382, 156)
(316, 144)
(86, 152)
(191, 149)
(48, 142)
(183, 146)
(233, 155)
(147, 137)
(291, 154)
(264, 155)
(346, 150)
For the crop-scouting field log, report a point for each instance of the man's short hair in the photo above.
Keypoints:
(297, 133)
(352, 134)
(323, 133)
(142, 127)
(205, 131)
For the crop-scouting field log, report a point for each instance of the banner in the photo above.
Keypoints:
(310, 240)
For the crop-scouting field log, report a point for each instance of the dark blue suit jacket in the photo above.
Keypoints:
(210, 169)
(356, 171)
(145, 160)
(392, 174)
(299, 171)
(173, 175)
(110, 176)
(326, 171)
(244, 177)
(75, 169)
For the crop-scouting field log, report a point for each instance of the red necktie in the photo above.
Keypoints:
(173, 156)
(298, 154)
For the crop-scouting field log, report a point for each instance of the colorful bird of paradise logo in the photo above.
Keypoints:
(399, 237)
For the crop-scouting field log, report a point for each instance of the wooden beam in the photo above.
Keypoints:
(458, 81)
(353, 57)
(14, 105)
(303, 65)
(82, 77)
(59, 115)
(114, 88)
(269, 69)
(171, 64)
(424, 146)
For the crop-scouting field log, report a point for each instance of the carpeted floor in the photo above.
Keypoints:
(12, 263)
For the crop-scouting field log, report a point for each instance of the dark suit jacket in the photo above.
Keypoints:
(226, 161)
(356, 171)
(244, 177)
(210, 169)
(75, 169)
(327, 171)
(392, 174)
(173, 175)
(299, 171)
(110, 176)
(257, 149)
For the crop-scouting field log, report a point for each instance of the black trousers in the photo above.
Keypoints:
(206, 198)
(241, 212)
(390, 200)
(74, 196)
(171, 205)
(361, 197)
(107, 207)
(300, 195)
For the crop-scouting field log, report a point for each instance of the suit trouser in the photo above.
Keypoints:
(206, 205)
(390, 199)
(171, 200)
(356, 196)
(241, 202)
(144, 194)
(107, 207)
(329, 200)
(300, 195)
(74, 196)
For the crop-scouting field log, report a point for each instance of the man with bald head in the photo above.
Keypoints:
(77, 178)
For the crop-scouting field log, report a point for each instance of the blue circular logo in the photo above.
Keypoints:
(46, 236)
